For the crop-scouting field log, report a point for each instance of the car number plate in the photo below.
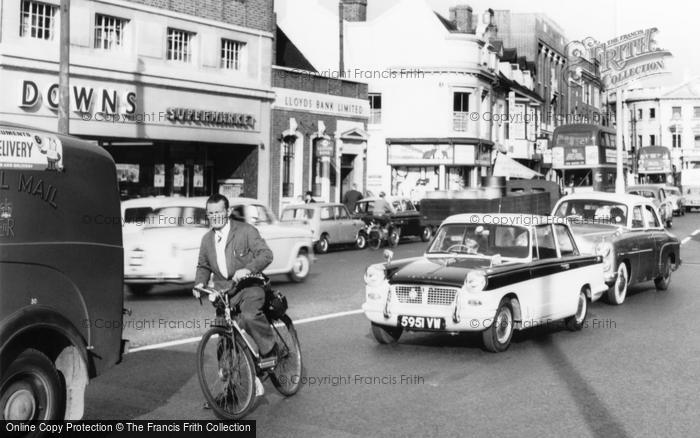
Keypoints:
(421, 322)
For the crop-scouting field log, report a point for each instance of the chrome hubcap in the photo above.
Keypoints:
(21, 406)
(581, 311)
(504, 325)
(621, 286)
(300, 266)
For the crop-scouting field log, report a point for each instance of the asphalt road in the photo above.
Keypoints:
(631, 372)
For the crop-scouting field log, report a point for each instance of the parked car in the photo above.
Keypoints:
(406, 219)
(628, 232)
(677, 200)
(330, 223)
(136, 210)
(165, 249)
(492, 273)
(61, 300)
(657, 193)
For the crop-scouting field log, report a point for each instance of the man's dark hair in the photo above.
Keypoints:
(310, 193)
(216, 198)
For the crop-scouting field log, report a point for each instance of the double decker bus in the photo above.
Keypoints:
(654, 165)
(584, 156)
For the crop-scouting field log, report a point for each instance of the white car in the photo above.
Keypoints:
(165, 246)
(491, 273)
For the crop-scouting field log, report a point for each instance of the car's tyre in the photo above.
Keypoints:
(301, 267)
(426, 234)
(669, 224)
(361, 241)
(688, 209)
(681, 211)
(31, 389)
(497, 337)
(140, 289)
(575, 322)
(664, 280)
(322, 245)
(394, 237)
(618, 291)
(385, 334)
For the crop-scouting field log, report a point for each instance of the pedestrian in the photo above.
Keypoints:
(231, 259)
(308, 197)
(351, 197)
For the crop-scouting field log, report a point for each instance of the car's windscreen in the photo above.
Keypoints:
(675, 192)
(593, 210)
(645, 193)
(136, 214)
(484, 239)
(177, 217)
(291, 214)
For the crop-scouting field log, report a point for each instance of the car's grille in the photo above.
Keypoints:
(137, 257)
(441, 296)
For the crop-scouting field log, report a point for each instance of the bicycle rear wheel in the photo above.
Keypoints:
(226, 374)
(374, 240)
(286, 376)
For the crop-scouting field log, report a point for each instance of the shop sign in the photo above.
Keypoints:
(574, 156)
(21, 149)
(324, 148)
(84, 100)
(320, 103)
(210, 117)
(421, 154)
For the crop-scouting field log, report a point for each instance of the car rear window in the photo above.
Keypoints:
(137, 214)
(297, 213)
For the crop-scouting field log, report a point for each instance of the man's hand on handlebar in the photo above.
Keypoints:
(239, 274)
(195, 292)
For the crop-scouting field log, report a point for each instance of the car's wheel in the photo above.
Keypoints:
(31, 389)
(300, 268)
(361, 241)
(681, 211)
(497, 337)
(426, 234)
(322, 245)
(664, 280)
(669, 223)
(688, 209)
(618, 291)
(385, 334)
(575, 321)
(140, 289)
(394, 237)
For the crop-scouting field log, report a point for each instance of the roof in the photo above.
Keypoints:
(314, 205)
(174, 201)
(449, 25)
(287, 54)
(605, 196)
(510, 219)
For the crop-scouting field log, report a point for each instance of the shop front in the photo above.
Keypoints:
(167, 139)
(423, 165)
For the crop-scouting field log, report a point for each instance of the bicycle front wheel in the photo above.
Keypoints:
(226, 374)
(286, 376)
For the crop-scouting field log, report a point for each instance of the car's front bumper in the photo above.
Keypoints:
(471, 318)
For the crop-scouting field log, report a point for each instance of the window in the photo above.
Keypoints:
(652, 140)
(545, 243)
(180, 45)
(637, 218)
(566, 246)
(639, 114)
(652, 113)
(375, 108)
(676, 140)
(341, 212)
(460, 110)
(696, 112)
(327, 213)
(676, 111)
(288, 165)
(37, 20)
(639, 139)
(109, 32)
(231, 54)
(651, 220)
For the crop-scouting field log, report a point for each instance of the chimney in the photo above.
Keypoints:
(491, 31)
(354, 10)
(461, 16)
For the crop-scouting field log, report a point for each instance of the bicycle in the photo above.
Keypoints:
(228, 360)
(379, 231)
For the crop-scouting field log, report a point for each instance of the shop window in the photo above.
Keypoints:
(109, 32)
(231, 54)
(288, 166)
(460, 111)
(38, 20)
(180, 45)
(375, 108)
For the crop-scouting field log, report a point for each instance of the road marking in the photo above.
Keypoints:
(695, 232)
(685, 240)
(193, 340)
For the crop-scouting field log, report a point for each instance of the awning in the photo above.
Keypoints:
(508, 167)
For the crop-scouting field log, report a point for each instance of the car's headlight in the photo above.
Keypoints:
(475, 282)
(375, 275)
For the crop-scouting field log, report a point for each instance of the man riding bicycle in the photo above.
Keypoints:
(230, 251)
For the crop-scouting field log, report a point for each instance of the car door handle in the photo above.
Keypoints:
(565, 266)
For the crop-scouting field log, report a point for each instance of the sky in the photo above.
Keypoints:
(677, 23)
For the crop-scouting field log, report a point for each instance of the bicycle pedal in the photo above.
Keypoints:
(268, 363)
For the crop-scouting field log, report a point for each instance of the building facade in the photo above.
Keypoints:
(179, 92)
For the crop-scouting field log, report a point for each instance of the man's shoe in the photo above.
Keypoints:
(259, 388)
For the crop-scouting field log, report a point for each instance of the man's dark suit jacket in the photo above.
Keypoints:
(245, 248)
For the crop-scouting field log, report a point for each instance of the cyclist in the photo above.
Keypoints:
(230, 251)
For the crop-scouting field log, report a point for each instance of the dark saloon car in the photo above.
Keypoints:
(628, 232)
(406, 218)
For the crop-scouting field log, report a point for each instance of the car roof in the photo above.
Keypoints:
(313, 205)
(645, 187)
(515, 219)
(622, 198)
(388, 198)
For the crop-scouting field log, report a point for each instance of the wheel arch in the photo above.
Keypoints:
(514, 301)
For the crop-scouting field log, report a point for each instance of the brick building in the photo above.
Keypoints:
(318, 136)
(178, 91)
